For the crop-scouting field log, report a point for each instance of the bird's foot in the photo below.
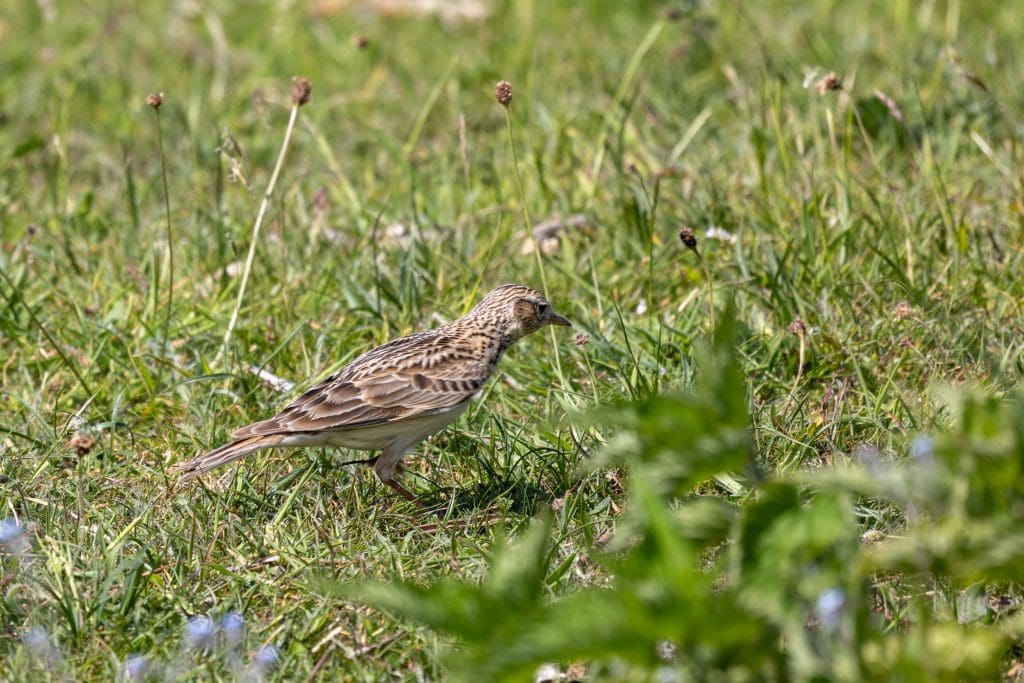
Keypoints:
(401, 490)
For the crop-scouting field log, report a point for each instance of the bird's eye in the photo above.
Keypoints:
(542, 308)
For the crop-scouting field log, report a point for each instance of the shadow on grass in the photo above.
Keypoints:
(516, 495)
(511, 495)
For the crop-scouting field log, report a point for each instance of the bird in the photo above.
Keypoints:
(396, 395)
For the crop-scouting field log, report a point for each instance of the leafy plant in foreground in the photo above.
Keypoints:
(775, 584)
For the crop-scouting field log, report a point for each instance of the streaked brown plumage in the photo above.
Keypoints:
(398, 394)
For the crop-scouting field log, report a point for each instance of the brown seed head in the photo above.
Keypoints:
(688, 238)
(301, 90)
(829, 82)
(503, 93)
(902, 310)
(798, 327)
(81, 443)
(581, 340)
(155, 99)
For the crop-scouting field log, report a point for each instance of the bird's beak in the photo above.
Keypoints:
(552, 318)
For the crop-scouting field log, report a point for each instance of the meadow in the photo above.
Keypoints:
(789, 446)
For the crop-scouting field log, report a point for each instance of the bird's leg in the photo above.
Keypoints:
(364, 461)
(389, 465)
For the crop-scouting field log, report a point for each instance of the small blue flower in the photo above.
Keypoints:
(39, 644)
(668, 674)
(12, 537)
(233, 627)
(10, 531)
(199, 633)
(829, 608)
(922, 449)
(266, 657)
(869, 458)
(136, 667)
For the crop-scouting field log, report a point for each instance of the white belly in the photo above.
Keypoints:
(405, 433)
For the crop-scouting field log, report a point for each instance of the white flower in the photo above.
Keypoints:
(716, 233)
(810, 77)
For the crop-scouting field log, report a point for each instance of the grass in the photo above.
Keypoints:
(893, 234)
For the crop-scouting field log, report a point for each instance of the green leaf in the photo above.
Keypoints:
(681, 438)
(511, 591)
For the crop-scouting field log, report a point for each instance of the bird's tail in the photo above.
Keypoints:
(229, 452)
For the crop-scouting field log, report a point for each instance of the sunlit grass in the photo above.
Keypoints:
(894, 239)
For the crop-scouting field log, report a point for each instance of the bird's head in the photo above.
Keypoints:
(517, 311)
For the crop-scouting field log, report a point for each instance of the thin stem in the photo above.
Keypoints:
(522, 202)
(711, 291)
(256, 229)
(536, 243)
(799, 372)
(46, 333)
(170, 234)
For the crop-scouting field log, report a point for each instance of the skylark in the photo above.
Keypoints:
(394, 396)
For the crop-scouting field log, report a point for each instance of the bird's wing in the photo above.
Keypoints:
(413, 376)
